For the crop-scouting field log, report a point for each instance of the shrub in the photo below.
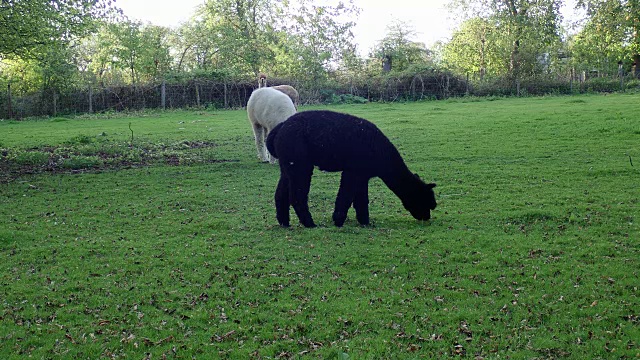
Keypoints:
(633, 84)
(81, 139)
(332, 98)
(81, 162)
(602, 85)
(32, 158)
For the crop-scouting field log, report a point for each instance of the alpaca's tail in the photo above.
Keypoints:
(271, 139)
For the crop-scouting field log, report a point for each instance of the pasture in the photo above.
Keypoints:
(153, 235)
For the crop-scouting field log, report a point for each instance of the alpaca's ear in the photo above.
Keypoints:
(431, 186)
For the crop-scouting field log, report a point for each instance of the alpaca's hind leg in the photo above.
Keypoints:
(260, 133)
(282, 201)
(350, 185)
(299, 185)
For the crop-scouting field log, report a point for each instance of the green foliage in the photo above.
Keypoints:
(330, 97)
(594, 50)
(28, 26)
(398, 47)
(140, 51)
(317, 39)
(633, 84)
(531, 252)
(85, 152)
(84, 44)
(475, 48)
(220, 75)
(516, 33)
(609, 35)
(602, 85)
(79, 163)
(31, 158)
(532, 86)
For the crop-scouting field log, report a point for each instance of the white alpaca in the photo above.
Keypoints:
(290, 91)
(267, 107)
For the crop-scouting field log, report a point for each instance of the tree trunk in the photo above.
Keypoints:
(386, 63)
(514, 62)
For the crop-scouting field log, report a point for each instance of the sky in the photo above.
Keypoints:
(430, 19)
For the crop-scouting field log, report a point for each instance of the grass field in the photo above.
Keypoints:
(154, 236)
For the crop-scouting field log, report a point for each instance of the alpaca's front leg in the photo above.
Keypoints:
(299, 185)
(353, 190)
(282, 201)
(349, 186)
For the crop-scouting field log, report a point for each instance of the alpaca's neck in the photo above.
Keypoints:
(400, 180)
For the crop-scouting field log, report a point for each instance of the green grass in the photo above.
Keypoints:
(167, 245)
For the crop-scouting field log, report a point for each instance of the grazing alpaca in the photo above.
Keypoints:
(267, 108)
(340, 142)
(288, 90)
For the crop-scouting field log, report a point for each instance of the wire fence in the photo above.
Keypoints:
(210, 94)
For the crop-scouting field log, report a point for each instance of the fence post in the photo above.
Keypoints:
(55, 104)
(446, 91)
(197, 95)
(90, 99)
(9, 109)
(571, 75)
(226, 100)
(518, 87)
(620, 73)
(163, 95)
(467, 91)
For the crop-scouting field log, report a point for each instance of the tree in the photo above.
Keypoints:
(95, 55)
(27, 26)
(241, 31)
(195, 48)
(156, 57)
(475, 48)
(54, 70)
(397, 50)
(592, 49)
(278, 37)
(613, 26)
(530, 26)
(141, 50)
(320, 36)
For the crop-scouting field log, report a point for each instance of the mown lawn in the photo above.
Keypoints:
(154, 236)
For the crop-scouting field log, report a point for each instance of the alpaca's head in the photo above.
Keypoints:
(262, 80)
(422, 200)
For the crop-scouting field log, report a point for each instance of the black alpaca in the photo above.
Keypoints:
(339, 142)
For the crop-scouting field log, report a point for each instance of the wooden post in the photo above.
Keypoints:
(447, 90)
(571, 76)
(55, 104)
(517, 87)
(467, 92)
(9, 109)
(197, 95)
(620, 74)
(163, 95)
(226, 99)
(90, 99)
